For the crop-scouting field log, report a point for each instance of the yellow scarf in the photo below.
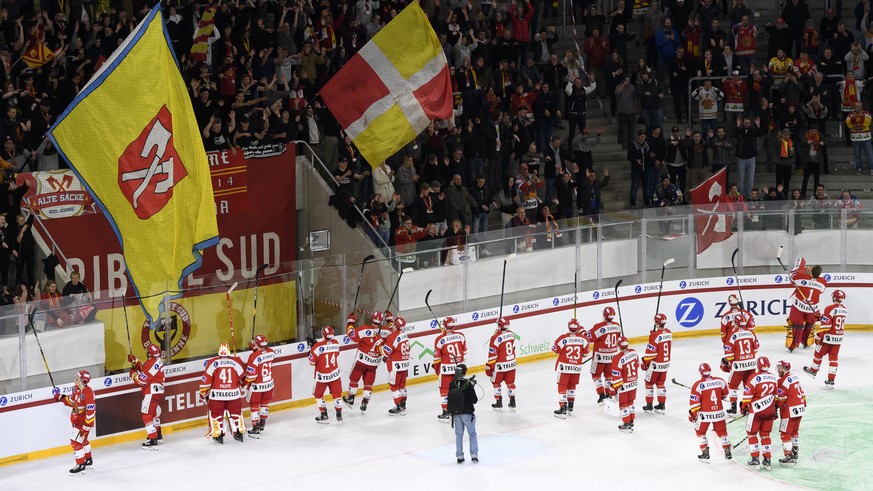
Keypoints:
(786, 148)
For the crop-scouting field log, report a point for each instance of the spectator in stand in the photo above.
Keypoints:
(667, 41)
(522, 230)
(546, 113)
(747, 152)
(680, 12)
(438, 205)
(858, 123)
(216, 136)
(6, 246)
(756, 205)
(563, 200)
(828, 25)
(679, 72)
(852, 206)
(618, 39)
(383, 180)
(625, 100)
(583, 146)
(376, 213)
(781, 37)
(529, 76)
(508, 199)
(855, 60)
(650, 93)
(698, 157)
(832, 68)
(615, 74)
(24, 250)
(459, 203)
(577, 102)
(709, 12)
(406, 237)
(522, 20)
(819, 205)
(784, 158)
(589, 199)
(675, 159)
(735, 200)
(735, 95)
(815, 144)
(811, 40)
(597, 50)
(665, 198)
(555, 162)
(455, 249)
(744, 37)
(796, 14)
(655, 164)
(406, 179)
(78, 300)
(481, 206)
(531, 186)
(693, 41)
(544, 52)
(774, 203)
(638, 155)
(431, 171)
(722, 150)
(650, 22)
(708, 96)
(843, 40)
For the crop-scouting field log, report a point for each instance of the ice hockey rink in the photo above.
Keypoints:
(528, 449)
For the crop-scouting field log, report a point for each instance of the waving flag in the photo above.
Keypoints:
(393, 87)
(712, 221)
(132, 139)
(38, 55)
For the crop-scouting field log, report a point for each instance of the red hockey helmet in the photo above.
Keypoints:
(399, 323)
(261, 341)
(154, 351)
(783, 366)
(449, 323)
(741, 320)
(502, 323)
(660, 319)
(763, 363)
(704, 369)
(84, 376)
(224, 349)
(574, 325)
(622, 342)
(608, 313)
(733, 300)
(327, 332)
(377, 318)
(838, 296)
(389, 317)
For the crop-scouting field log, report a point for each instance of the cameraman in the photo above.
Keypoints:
(463, 416)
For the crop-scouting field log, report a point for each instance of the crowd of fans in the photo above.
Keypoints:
(515, 93)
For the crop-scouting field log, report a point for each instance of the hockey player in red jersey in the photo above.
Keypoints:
(808, 287)
(624, 370)
(500, 367)
(572, 348)
(604, 338)
(367, 358)
(395, 352)
(82, 417)
(656, 361)
(706, 408)
(740, 351)
(829, 339)
(449, 349)
(791, 402)
(759, 403)
(221, 385)
(727, 320)
(150, 376)
(324, 357)
(259, 379)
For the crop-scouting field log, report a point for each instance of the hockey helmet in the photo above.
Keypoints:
(261, 341)
(573, 325)
(224, 349)
(84, 376)
(399, 323)
(389, 317)
(783, 366)
(660, 319)
(741, 320)
(327, 332)
(502, 323)
(763, 363)
(377, 318)
(449, 323)
(608, 313)
(704, 369)
(733, 300)
(838, 296)
(622, 342)
(154, 351)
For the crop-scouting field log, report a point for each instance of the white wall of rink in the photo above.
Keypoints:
(691, 305)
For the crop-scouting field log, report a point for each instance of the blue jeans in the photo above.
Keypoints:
(480, 223)
(468, 421)
(636, 181)
(706, 125)
(746, 169)
(650, 182)
(868, 150)
(653, 118)
(545, 129)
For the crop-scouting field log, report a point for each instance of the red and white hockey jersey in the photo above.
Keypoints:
(449, 349)
(395, 350)
(149, 376)
(706, 396)
(741, 349)
(760, 392)
(604, 338)
(790, 397)
(501, 351)
(223, 378)
(259, 370)
(624, 371)
(83, 405)
(833, 321)
(368, 340)
(572, 348)
(659, 349)
(812, 288)
(324, 357)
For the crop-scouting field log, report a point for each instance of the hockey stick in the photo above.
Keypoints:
(575, 291)
(737, 277)
(741, 441)
(661, 286)
(126, 326)
(503, 282)
(796, 288)
(230, 318)
(397, 286)
(360, 278)
(618, 304)
(680, 384)
(426, 297)
(255, 304)
(31, 326)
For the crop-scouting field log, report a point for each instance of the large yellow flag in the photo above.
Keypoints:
(132, 139)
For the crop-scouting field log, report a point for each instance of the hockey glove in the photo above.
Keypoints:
(744, 408)
(646, 364)
(692, 416)
(489, 370)
(132, 358)
(310, 340)
(56, 392)
(819, 337)
(725, 365)
(353, 318)
(610, 391)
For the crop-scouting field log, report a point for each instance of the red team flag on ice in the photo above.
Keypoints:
(393, 87)
(711, 206)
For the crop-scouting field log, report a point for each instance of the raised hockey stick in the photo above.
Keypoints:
(38, 344)
(426, 302)
(737, 277)
(661, 286)
(796, 288)
(676, 382)
(503, 282)
(230, 317)
(255, 304)
(397, 285)
(361, 278)
(575, 291)
(618, 304)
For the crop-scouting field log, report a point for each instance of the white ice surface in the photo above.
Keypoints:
(522, 450)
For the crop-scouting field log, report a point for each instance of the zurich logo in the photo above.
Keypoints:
(638, 289)
(555, 301)
(730, 281)
(682, 284)
(301, 347)
(779, 278)
(827, 277)
(596, 295)
(475, 316)
(3, 401)
(689, 312)
(346, 340)
(107, 381)
(515, 309)
(433, 324)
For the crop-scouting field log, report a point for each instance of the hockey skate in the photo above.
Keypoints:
(403, 403)
(811, 372)
(397, 410)
(349, 400)
(753, 462)
(445, 417)
(364, 404)
(648, 409)
(733, 409)
(322, 418)
(261, 424)
(238, 435)
(601, 398)
(727, 453)
(561, 412)
(160, 436)
(219, 439)
(150, 444)
(626, 427)
(788, 460)
(78, 470)
(498, 404)
(255, 432)
(794, 451)
(829, 384)
(704, 457)
(766, 463)
(570, 405)
(660, 409)
(339, 416)
(512, 403)
(89, 462)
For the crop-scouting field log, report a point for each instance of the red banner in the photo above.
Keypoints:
(710, 203)
(254, 200)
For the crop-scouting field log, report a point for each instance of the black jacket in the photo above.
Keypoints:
(470, 397)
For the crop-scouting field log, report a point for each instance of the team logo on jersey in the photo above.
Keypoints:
(638, 289)
(729, 281)
(107, 382)
(475, 316)
(683, 284)
(596, 295)
(515, 309)
(179, 332)
(689, 312)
